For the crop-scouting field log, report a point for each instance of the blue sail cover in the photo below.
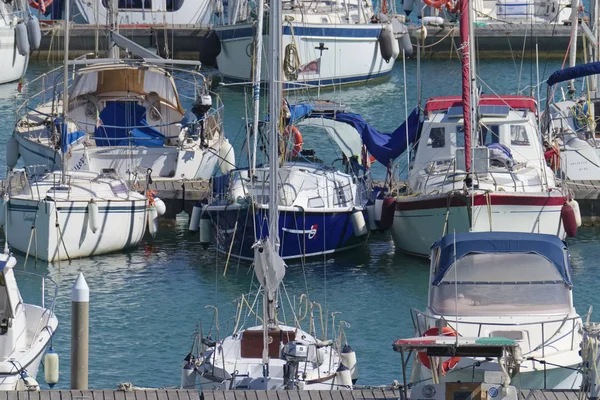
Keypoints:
(299, 111)
(578, 71)
(383, 146)
(548, 246)
(124, 124)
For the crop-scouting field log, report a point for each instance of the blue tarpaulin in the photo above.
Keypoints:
(383, 146)
(574, 73)
(548, 246)
(124, 124)
(299, 111)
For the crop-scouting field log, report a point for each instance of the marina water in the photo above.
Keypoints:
(145, 303)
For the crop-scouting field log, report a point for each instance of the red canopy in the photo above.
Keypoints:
(443, 103)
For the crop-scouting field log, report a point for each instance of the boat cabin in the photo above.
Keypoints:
(507, 134)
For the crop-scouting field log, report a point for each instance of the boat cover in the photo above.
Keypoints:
(67, 139)
(124, 124)
(548, 246)
(578, 71)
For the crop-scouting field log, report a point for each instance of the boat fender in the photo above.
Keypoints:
(34, 33)
(210, 46)
(348, 358)
(51, 367)
(448, 364)
(406, 45)
(436, 21)
(395, 43)
(160, 205)
(420, 33)
(152, 220)
(12, 152)
(343, 377)
(388, 209)
(22, 40)
(205, 228)
(386, 37)
(188, 376)
(93, 216)
(227, 156)
(567, 214)
(371, 223)
(358, 223)
(195, 217)
(407, 6)
(575, 205)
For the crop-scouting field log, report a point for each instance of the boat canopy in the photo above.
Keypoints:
(578, 71)
(130, 79)
(443, 103)
(548, 246)
(351, 131)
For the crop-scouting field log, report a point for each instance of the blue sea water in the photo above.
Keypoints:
(146, 302)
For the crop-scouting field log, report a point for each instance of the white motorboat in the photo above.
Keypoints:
(325, 43)
(271, 355)
(478, 166)
(124, 116)
(83, 215)
(496, 385)
(503, 285)
(25, 330)
(146, 12)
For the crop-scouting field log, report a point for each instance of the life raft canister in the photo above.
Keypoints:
(449, 363)
(294, 133)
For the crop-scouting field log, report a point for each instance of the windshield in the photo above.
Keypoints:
(501, 284)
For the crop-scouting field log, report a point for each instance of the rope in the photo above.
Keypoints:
(450, 32)
(291, 60)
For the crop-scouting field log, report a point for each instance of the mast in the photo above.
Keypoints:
(64, 134)
(256, 79)
(466, 79)
(573, 48)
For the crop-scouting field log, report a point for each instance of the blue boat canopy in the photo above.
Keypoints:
(548, 246)
(578, 71)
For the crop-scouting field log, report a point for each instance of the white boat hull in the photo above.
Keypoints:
(123, 224)
(12, 64)
(421, 220)
(329, 55)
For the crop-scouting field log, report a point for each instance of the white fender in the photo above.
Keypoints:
(358, 223)
(161, 207)
(205, 228)
(188, 376)
(34, 33)
(195, 217)
(12, 152)
(573, 203)
(152, 220)
(51, 369)
(227, 156)
(93, 216)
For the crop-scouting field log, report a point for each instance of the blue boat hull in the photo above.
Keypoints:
(300, 234)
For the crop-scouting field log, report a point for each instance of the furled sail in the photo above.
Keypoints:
(269, 267)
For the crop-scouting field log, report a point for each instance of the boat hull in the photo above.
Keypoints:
(421, 220)
(301, 234)
(12, 64)
(123, 224)
(329, 54)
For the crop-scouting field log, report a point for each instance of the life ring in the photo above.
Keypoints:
(449, 363)
(453, 6)
(41, 4)
(436, 3)
(294, 133)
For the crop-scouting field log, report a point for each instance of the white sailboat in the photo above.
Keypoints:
(479, 166)
(25, 330)
(64, 214)
(271, 355)
(19, 34)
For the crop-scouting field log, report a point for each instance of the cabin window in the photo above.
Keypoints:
(133, 4)
(460, 136)
(174, 5)
(498, 284)
(490, 134)
(518, 136)
(437, 137)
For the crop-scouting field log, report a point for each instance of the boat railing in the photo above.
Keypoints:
(420, 321)
(48, 300)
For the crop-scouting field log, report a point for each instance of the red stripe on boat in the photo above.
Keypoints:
(414, 203)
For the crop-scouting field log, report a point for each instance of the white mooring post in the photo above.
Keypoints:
(80, 327)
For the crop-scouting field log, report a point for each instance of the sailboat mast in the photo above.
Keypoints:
(466, 78)
(256, 79)
(64, 129)
(573, 48)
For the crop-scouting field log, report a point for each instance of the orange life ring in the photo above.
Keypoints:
(294, 133)
(436, 3)
(453, 6)
(41, 4)
(449, 363)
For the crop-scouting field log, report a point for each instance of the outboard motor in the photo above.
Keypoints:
(294, 353)
(195, 118)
